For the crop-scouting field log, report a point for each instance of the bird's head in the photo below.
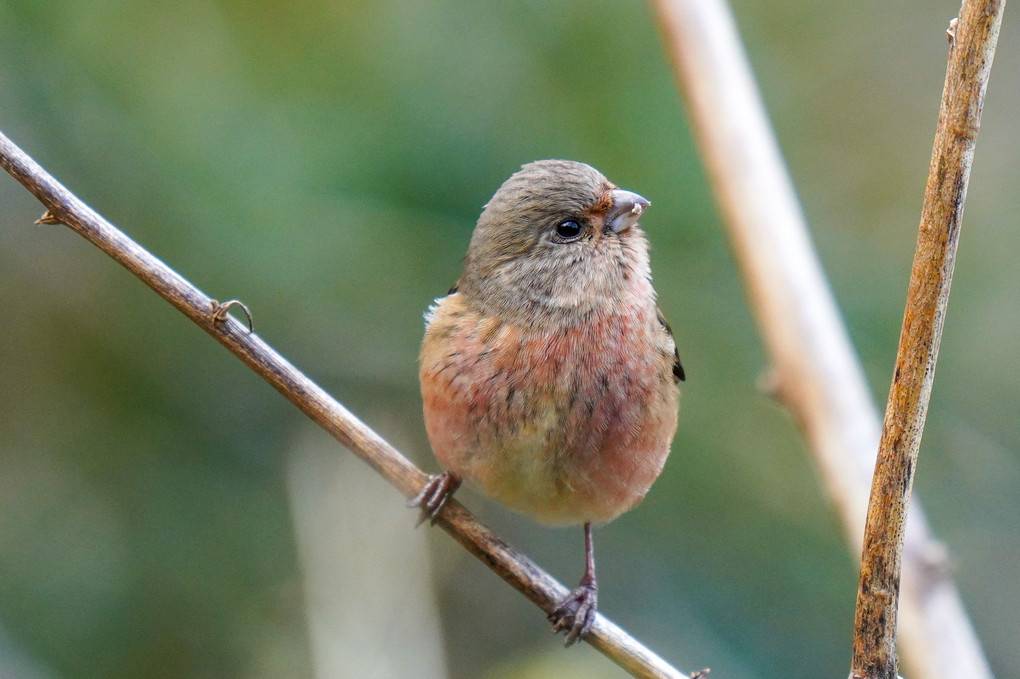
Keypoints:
(556, 237)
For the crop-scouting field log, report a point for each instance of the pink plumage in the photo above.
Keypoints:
(548, 373)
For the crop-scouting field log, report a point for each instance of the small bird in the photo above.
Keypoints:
(548, 373)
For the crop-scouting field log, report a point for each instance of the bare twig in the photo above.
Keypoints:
(519, 571)
(815, 370)
(972, 41)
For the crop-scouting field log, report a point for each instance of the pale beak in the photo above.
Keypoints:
(627, 208)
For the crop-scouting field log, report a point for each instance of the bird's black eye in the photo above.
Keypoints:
(568, 229)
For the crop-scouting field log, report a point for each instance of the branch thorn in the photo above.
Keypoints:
(49, 218)
(220, 312)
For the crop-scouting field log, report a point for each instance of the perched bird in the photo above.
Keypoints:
(548, 372)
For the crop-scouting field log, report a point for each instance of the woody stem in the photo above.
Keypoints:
(519, 571)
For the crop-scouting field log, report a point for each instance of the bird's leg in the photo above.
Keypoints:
(575, 614)
(433, 495)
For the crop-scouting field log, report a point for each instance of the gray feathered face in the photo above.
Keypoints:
(557, 235)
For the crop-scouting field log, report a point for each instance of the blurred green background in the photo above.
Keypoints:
(164, 513)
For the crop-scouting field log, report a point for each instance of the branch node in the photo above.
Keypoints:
(934, 561)
(219, 312)
(772, 383)
(702, 673)
(49, 218)
(951, 31)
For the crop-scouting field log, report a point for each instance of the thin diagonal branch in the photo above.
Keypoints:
(519, 571)
(814, 368)
(972, 38)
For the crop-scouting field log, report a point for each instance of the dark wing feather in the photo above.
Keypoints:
(678, 369)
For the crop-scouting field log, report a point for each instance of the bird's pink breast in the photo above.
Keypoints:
(566, 423)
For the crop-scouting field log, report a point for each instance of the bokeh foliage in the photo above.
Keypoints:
(324, 162)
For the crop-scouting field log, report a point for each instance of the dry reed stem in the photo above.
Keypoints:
(972, 46)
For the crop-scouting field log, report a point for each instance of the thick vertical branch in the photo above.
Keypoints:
(972, 40)
(815, 371)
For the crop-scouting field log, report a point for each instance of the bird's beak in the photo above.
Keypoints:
(627, 208)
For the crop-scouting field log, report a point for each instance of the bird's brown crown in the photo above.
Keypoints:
(549, 187)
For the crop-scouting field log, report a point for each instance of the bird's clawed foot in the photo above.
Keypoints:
(433, 496)
(576, 613)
